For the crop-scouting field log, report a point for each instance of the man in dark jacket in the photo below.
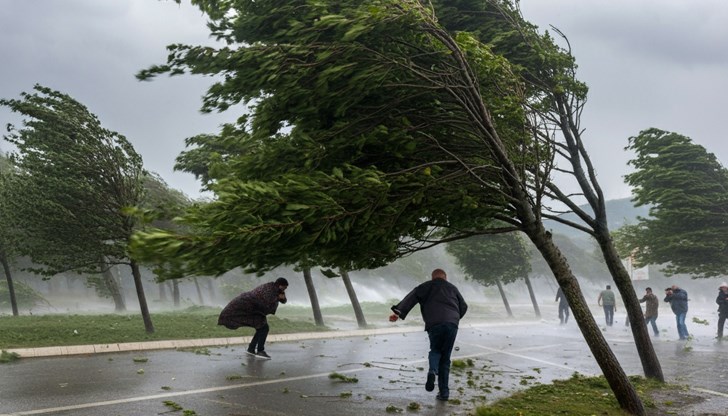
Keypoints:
(563, 306)
(250, 309)
(442, 307)
(651, 311)
(722, 301)
(678, 299)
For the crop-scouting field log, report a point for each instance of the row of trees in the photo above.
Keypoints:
(377, 129)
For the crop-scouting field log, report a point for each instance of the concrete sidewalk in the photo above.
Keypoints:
(204, 342)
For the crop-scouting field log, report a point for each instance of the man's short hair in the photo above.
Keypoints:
(609, 287)
(439, 274)
(281, 281)
(648, 288)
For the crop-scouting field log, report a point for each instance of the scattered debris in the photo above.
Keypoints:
(8, 357)
(345, 379)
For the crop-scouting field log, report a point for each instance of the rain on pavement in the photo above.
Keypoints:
(378, 374)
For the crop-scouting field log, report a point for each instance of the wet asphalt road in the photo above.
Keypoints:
(389, 369)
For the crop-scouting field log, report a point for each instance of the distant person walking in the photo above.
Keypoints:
(250, 309)
(563, 306)
(651, 310)
(678, 299)
(442, 307)
(608, 301)
(722, 301)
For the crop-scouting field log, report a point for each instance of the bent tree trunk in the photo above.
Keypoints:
(623, 390)
(162, 291)
(505, 299)
(650, 363)
(148, 326)
(11, 286)
(587, 180)
(354, 300)
(211, 288)
(317, 316)
(113, 287)
(175, 293)
(533, 297)
(199, 291)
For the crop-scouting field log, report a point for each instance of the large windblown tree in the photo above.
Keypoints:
(381, 131)
(686, 188)
(77, 179)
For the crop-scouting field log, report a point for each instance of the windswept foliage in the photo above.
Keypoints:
(75, 179)
(686, 189)
(75, 183)
(374, 154)
(487, 258)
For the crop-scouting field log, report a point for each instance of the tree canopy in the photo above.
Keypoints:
(75, 178)
(686, 189)
(377, 152)
(487, 258)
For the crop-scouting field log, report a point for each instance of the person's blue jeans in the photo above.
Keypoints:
(651, 320)
(682, 329)
(609, 314)
(442, 339)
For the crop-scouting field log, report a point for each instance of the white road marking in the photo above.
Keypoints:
(525, 357)
(167, 395)
(715, 393)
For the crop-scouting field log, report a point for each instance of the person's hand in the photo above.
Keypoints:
(393, 317)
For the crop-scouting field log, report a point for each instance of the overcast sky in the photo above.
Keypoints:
(657, 63)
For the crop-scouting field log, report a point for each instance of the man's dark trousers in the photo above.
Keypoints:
(442, 339)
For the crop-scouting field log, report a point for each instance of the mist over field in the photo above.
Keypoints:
(65, 294)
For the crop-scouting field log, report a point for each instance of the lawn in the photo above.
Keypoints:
(27, 331)
(582, 395)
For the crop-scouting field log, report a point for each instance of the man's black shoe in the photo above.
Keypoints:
(430, 384)
(442, 398)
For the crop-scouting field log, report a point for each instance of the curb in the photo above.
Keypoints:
(196, 343)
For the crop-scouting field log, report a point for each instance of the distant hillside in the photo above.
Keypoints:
(619, 212)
